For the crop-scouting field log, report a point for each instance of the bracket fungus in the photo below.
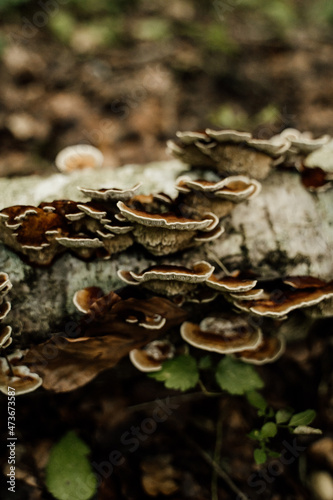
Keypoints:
(229, 152)
(218, 197)
(224, 283)
(79, 157)
(16, 375)
(286, 295)
(168, 232)
(223, 334)
(5, 307)
(169, 279)
(151, 357)
(110, 194)
(270, 349)
(111, 328)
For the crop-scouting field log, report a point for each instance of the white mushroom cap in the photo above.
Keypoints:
(79, 157)
(110, 194)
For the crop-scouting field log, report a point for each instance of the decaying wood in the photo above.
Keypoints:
(285, 230)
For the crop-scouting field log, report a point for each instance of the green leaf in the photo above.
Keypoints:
(305, 429)
(69, 474)
(237, 377)
(179, 373)
(257, 400)
(283, 416)
(302, 418)
(260, 456)
(269, 430)
(274, 454)
(205, 362)
(255, 434)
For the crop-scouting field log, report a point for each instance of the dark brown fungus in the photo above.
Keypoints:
(109, 331)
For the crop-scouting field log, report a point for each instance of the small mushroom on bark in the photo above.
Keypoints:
(269, 350)
(151, 357)
(16, 375)
(78, 157)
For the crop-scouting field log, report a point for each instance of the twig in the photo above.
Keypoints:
(217, 468)
(217, 454)
(180, 399)
(211, 255)
(11, 373)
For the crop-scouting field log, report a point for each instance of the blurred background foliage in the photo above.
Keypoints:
(250, 64)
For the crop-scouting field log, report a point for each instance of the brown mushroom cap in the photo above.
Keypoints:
(84, 299)
(234, 188)
(269, 350)
(151, 357)
(230, 284)
(199, 273)
(227, 334)
(168, 220)
(278, 305)
(110, 194)
(23, 380)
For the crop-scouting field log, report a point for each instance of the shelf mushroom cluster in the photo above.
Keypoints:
(13, 373)
(230, 152)
(111, 328)
(226, 332)
(113, 219)
(5, 307)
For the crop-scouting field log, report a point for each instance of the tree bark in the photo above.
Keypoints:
(285, 230)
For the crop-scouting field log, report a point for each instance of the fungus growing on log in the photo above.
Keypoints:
(110, 329)
(165, 233)
(229, 152)
(224, 334)
(223, 283)
(168, 279)
(5, 307)
(287, 295)
(151, 357)
(16, 375)
(110, 194)
(218, 197)
(270, 349)
(79, 157)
